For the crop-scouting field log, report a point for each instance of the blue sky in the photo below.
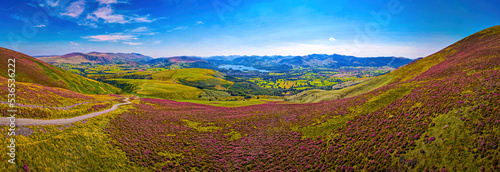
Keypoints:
(407, 28)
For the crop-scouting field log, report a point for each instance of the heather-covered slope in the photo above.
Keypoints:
(440, 113)
(31, 70)
(476, 52)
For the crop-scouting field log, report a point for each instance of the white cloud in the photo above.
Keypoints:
(181, 28)
(88, 21)
(111, 37)
(52, 3)
(106, 13)
(91, 17)
(94, 16)
(40, 25)
(107, 1)
(178, 28)
(331, 39)
(200, 22)
(133, 43)
(75, 9)
(142, 19)
(73, 43)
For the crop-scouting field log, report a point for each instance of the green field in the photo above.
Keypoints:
(196, 77)
(182, 84)
(161, 89)
(247, 102)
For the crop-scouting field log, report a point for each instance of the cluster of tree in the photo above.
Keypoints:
(125, 87)
(249, 89)
(104, 77)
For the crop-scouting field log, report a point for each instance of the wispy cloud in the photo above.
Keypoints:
(133, 43)
(200, 22)
(178, 28)
(106, 13)
(52, 3)
(111, 37)
(107, 1)
(73, 43)
(74, 9)
(40, 25)
(124, 37)
(157, 42)
(93, 15)
(331, 39)
(143, 19)
(17, 17)
(141, 31)
(89, 21)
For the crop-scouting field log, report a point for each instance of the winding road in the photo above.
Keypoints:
(40, 106)
(25, 122)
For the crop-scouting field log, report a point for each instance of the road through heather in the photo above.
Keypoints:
(25, 122)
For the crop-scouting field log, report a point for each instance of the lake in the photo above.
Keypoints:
(241, 67)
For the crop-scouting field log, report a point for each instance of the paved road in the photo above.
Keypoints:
(24, 121)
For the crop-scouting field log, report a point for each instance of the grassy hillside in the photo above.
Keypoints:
(314, 96)
(181, 84)
(161, 89)
(196, 77)
(81, 146)
(31, 70)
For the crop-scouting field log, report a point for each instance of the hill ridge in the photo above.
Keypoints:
(32, 70)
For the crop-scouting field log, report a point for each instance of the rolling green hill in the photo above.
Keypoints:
(196, 77)
(314, 96)
(31, 70)
(181, 84)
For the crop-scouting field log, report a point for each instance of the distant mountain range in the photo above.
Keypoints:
(282, 62)
(259, 62)
(94, 57)
(313, 60)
